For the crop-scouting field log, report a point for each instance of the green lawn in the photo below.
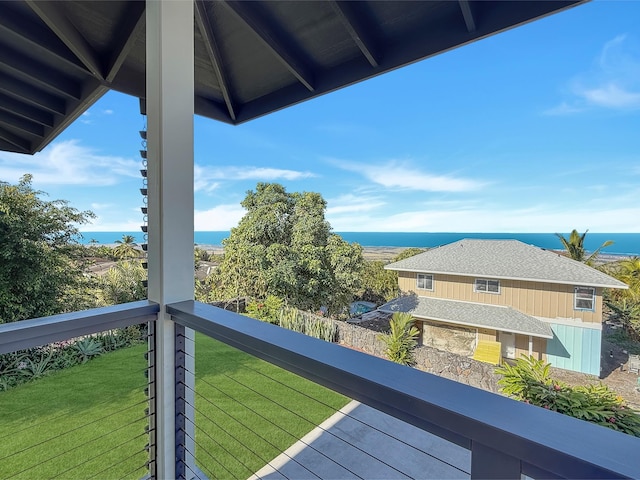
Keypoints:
(88, 421)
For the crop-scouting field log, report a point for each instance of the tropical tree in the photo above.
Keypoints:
(283, 246)
(123, 283)
(41, 261)
(402, 339)
(574, 245)
(126, 248)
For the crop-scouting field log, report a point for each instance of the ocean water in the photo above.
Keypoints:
(624, 243)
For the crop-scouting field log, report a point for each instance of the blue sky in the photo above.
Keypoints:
(533, 130)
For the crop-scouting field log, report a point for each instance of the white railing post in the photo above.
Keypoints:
(169, 102)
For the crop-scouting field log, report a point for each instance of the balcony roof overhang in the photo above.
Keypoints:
(251, 58)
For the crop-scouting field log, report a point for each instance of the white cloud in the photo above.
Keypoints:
(108, 111)
(102, 224)
(401, 175)
(102, 206)
(68, 163)
(353, 204)
(221, 217)
(205, 177)
(612, 83)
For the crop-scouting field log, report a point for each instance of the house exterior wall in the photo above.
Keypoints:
(538, 299)
(463, 341)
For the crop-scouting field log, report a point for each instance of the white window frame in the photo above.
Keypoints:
(486, 282)
(425, 277)
(583, 297)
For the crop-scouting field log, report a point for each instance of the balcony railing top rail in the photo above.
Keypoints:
(42, 331)
(506, 437)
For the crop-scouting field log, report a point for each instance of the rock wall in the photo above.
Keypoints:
(444, 364)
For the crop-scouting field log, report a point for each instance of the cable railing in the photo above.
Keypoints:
(489, 436)
(84, 411)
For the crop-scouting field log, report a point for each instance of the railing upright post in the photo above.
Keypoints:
(487, 462)
(185, 411)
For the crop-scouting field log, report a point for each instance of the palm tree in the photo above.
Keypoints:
(126, 248)
(575, 247)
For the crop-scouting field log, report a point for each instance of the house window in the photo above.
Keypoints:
(425, 281)
(584, 298)
(486, 286)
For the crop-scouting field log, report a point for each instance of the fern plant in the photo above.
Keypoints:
(529, 380)
(401, 339)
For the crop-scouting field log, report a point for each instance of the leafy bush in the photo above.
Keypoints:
(529, 380)
(26, 365)
(88, 348)
(266, 310)
(401, 340)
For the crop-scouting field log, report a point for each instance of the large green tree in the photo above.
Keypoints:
(40, 260)
(126, 248)
(283, 246)
(574, 245)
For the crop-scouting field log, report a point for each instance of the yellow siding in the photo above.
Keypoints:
(533, 298)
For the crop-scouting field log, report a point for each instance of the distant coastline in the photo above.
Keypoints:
(624, 243)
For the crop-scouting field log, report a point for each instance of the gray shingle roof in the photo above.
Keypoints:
(507, 259)
(471, 314)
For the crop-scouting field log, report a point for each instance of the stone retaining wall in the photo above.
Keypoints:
(444, 364)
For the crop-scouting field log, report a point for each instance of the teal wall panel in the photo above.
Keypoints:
(575, 348)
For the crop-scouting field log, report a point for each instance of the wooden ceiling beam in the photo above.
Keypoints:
(354, 24)
(270, 37)
(130, 29)
(37, 73)
(20, 143)
(32, 95)
(50, 14)
(16, 107)
(469, 20)
(204, 25)
(22, 124)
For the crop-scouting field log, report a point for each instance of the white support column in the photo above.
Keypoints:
(170, 96)
(530, 345)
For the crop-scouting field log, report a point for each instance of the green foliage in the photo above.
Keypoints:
(626, 303)
(122, 283)
(408, 252)
(267, 310)
(126, 248)
(303, 322)
(40, 259)
(378, 285)
(401, 340)
(26, 365)
(574, 245)
(529, 380)
(88, 348)
(284, 247)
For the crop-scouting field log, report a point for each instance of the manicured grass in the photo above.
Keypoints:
(76, 423)
(248, 411)
(89, 421)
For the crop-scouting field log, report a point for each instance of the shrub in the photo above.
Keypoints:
(87, 348)
(294, 319)
(401, 340)
(267, 310)
(529, 380)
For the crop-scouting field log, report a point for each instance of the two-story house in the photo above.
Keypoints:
(532, 301)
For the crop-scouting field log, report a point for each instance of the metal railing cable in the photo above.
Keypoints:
(61, 416)
(344, 415)
(138, 452)
(201, 446)
(294, 437)
(87, 460)
(58, 437)
(232, 436)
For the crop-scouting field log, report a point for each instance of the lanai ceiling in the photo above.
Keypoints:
(251, 57)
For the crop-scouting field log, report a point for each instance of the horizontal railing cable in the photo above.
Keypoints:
(313, 424)
(344, 414)
(94, 440)
(199, 445)
(56, 437)
(230, 435)
(122, 460)
(283, 430)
